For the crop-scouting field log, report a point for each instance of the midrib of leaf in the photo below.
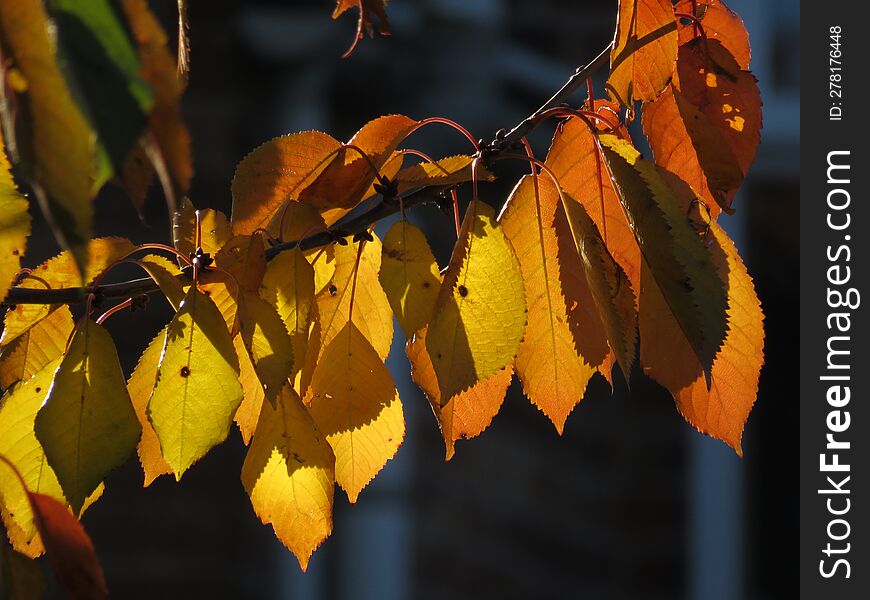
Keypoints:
(84, 377)
(350, 326)
(187, 379)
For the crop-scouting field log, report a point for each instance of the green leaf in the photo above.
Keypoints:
(197, 389)
(96, 49)
(671, 248)
(87, 425)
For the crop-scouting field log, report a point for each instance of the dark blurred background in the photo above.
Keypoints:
(630, 502)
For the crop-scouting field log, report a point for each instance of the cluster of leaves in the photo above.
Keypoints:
(284, 312)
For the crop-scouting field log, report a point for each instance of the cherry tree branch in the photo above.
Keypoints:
(388, 206)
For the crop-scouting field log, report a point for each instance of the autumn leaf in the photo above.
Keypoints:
(164, 121)
(288, 285)
(720, 23)
(354, 402)
(140, 387)
(275, 173)
(61, 147)
(671, 247)
(706, 127)
(69, 549)
(480, 313)
(452, 170)
(644, 51)
(347, 178)
(197, 391)
(60, 272)
(87, 426)
(267, 341)
(354, 292)
(165, 274)
(409, 276)
(214, 229)
(720, 409)
(248, 413)
(365, 24)
(244, 259)
(465, 415)
(554, 375)
(289, 473)
(40, 345)
(14, 225)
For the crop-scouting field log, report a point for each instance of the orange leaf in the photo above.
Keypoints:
(644, 51)
(140, 385)
(466, 414)
(553, 373)
(70, 551)
(365, 23)
(244, 258)
(720, 23)
(706, 127)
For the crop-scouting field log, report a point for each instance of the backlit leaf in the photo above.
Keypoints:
(243, 257)
(356, 277)
(644, 51)
(465, 415)
(409, 276)
(214, 229)
(706, 127)
(267, 341)
(554, 375)
(165, 274)
(354, 402)
(288, 285)
(60, 272)
(248, 413)
(672, 249)
(277, 172)
(446, 171)
(87, 426)
(289, 473)
(43, 343)
(197, 391)
(140, 387)
(480, 314)
(61, 156)
(720, 23)
(14, 225)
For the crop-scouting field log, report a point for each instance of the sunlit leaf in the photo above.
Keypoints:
(87, 426)
(720, 23)
(165, 274)
(213, 226)
(248, 413)
(354, 402)
(289, 473)
(409, 276)
(61, 147)
(480, 314)
(43, 343)
(465, 415)
(140, 387)
(60, 272)
(14, 225)
(197, 391)
(644, 51)
(243, 258)
(452, 170)
(267, 341)
(671, 247)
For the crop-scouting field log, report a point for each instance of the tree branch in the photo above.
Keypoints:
(435, 194)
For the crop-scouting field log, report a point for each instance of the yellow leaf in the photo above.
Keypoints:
(198, 390)
(43, 343)
(60, 272)
(14, 225)
(554, 375)
(452, 170)
(289, 473)
(268, 344)
(468, 413)
(223, 290)
(409, 276)
(294, 221)
(323, 262)
(87, 426)
(644, 51)
(354, 402)
(671, 248)
(213, 225)
(248, 413)
(165, 274)
(721, 409)
(288, 285)
(140, 386)
(61, 150)
(480, 314)
(277, 172)
(356, 277)
(244, 258)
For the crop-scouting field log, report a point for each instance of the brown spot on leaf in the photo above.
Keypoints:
(463, 291)
(185, 371)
